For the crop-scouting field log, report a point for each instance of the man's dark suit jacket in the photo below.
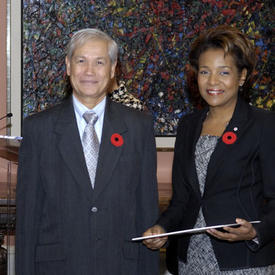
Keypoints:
(66, 227)
(240, 183)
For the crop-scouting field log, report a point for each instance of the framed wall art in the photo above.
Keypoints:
(154, 39)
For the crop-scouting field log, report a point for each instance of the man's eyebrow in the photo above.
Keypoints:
(83, 56)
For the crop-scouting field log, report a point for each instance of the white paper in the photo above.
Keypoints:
(11, 137)
(186, 231)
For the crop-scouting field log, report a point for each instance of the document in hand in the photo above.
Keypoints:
(190, 231)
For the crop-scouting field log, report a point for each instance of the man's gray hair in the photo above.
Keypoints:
(82, 36)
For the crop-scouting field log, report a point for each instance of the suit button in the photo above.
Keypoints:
(94, 209)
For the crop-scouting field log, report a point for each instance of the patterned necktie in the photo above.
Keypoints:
(90, 144)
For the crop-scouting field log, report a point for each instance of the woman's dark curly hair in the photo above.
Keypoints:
(234, 43)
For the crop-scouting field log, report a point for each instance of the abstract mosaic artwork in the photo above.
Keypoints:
(154, 38)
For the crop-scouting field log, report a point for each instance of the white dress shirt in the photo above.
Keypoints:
(80, 109)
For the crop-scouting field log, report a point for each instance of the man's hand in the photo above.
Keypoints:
(155, 243)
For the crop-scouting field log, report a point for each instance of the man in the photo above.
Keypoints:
(78, 208)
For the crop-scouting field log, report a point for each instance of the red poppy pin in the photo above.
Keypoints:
(229, 137)
(117, 140)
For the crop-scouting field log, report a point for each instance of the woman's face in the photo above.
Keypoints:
(219, 79)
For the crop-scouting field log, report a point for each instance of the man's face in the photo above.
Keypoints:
(90, 71)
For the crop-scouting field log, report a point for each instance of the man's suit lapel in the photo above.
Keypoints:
(70, 147)
(108, 153)
(238, 125)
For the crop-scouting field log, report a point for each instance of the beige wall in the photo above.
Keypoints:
(7, 191)
(3, 65)
(15, 64)
(164, 175)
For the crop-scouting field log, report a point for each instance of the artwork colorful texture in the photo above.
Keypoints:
(154, 39)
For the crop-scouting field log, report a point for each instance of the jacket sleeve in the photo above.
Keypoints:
(266, 229)
(148, 201)
(29, 198)
(172, 217)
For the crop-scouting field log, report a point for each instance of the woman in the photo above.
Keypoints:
(119, 93)
(223, 170)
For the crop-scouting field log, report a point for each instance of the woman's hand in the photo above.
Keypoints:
(244, 232)
(155, 243)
